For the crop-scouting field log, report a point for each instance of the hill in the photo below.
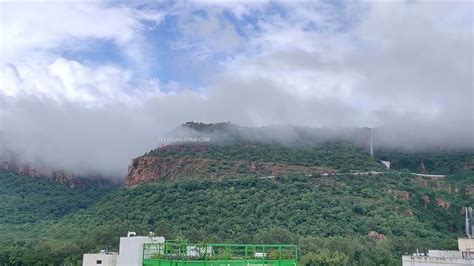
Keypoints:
(28, 206)
(327, 216)
(244, 158)
(340, 205)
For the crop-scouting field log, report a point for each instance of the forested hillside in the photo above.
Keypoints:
(339, 204)
(328, 217)
(28, 207)
(28, 200)
(245, 158)
(429, 161)
(340, 155)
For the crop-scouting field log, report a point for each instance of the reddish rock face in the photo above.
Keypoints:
(18, 168)
(60, 176)
(376, 236)
(147, 168)
(442, 203)
(143, 169)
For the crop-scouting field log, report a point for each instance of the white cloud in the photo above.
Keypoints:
(34, 35)
(206, 35)
(398, 58)
(397, 64)
(32, 28)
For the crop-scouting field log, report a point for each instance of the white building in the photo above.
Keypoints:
(102, 258)
(131, 249)
(463, 256)
(130, 252)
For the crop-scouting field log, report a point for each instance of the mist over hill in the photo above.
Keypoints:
(94, 159)
(393, 66)
(350, 133)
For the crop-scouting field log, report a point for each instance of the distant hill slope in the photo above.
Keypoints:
(29, 205)
(325, 215)
(216, 161)
(63, 177)
(198, 150)
(247, 188)
(436, 161)
(215, 151)
(29, 200)
(225, 133)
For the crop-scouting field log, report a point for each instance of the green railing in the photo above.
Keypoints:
(179, 253)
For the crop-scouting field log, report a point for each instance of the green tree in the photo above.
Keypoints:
(324, 257)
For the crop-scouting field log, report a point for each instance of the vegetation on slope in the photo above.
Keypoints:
(433, 162)
(340, 155)
(27, 200)
(328, 217)
(28, 206)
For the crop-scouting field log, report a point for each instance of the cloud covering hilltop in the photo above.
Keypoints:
(91, 85)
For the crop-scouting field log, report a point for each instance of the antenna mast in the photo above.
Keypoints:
(372, 141)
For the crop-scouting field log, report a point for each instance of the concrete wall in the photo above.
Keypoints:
(430, 261)
(131, 249)
(466, 244)
(454, 254)
(100, 259)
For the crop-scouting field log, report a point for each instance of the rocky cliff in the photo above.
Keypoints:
(146, 169)
(59, 176)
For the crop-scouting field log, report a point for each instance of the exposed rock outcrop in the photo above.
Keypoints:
(59, 176)
(442, 203)
(148, 168)
(376, 236)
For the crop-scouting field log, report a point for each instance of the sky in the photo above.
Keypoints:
(90, 85)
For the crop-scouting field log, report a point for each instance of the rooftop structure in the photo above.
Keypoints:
(155, 251)
(103, 258)
(463, 256)
(179, 253)
(131, 248)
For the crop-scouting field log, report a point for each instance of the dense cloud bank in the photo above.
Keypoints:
(405, 68)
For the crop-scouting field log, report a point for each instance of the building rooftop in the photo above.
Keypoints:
(181, 253)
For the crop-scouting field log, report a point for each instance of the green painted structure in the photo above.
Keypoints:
(180, 253)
